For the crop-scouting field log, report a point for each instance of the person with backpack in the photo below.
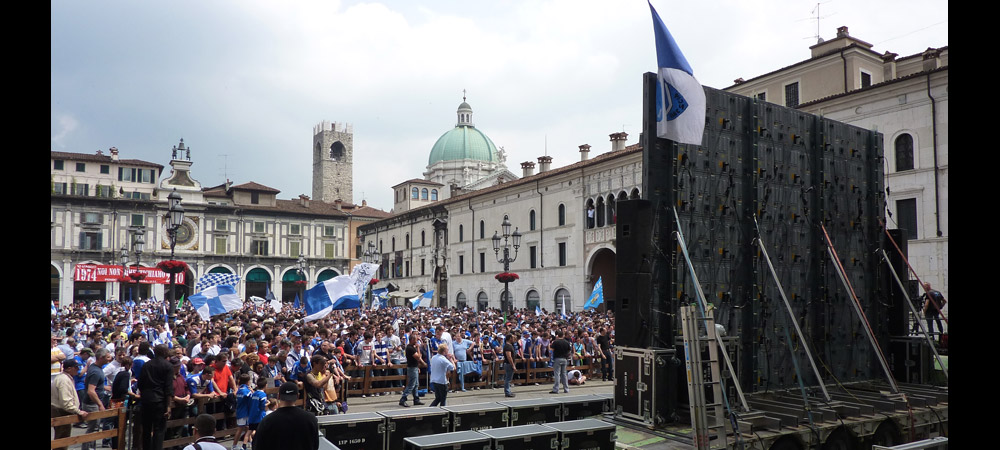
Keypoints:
(933, 303)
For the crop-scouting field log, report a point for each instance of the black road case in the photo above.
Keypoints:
(413, 422)
(478, 416)
(582, 406)
(354, 431)
(609, 401)
(524, 437)
(533, 411)
(645, 385)
(585, 434)
(461, 440)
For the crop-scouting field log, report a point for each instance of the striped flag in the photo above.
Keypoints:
(214, 279)
(336, 293)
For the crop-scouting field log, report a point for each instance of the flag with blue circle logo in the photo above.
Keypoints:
(680, 98)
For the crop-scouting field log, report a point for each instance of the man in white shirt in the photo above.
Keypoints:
(440, 366)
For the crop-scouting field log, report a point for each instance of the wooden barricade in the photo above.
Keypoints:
(118, 431)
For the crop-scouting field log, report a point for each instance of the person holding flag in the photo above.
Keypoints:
(596, 297)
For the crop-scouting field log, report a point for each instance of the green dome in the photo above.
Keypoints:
(463, 142)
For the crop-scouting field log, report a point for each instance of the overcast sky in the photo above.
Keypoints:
(244, 82)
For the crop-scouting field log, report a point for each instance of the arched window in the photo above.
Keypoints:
(461, 233)
(460, 301)
(393, 244)
(591, 213)
(380, 246)
(532, 300)
(562, 214)
(415, 194)
(562, 297)
(610, 214)
(423, 194)
(634, 195)
(423, 236)
(434, 194)
(482, 302)
(336, 151)
(531, 220)
(904, 152)
(482, 229)
(407, 240)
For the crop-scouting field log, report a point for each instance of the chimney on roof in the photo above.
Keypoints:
(114, 153)
(889, 65)
(527, 169)
(338, 203)
(364, 202)
(584, 152)
(304, 200)
(618, 141)
(932, 59)
(739, 80)
(100, 152)
(842, 32)
(544, 162)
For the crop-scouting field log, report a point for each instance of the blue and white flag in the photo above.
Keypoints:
(213, 279)
(596, 297)
(336, 293)
(680, 98)
(297, 306)
(219, 299)
(54, 310)
(381, 296)
(362, 274)
(538, 310)
(422, 301)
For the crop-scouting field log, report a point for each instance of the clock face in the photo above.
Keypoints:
(185, 233)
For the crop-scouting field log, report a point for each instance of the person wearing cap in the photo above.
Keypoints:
(63, 399)
(289, 427)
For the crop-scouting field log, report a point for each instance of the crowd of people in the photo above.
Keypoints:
(113, 354)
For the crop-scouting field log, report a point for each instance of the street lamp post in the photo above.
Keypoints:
(302, 275)
(121, 284)
(175, 215)
(138, 245)
(505, 303)
(371, 257)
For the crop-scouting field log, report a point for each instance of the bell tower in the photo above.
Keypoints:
(333, 162)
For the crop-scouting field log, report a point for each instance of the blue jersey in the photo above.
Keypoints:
(192, 383)
(78, 380)
(258, 406)
(299, 372)
(243, 402)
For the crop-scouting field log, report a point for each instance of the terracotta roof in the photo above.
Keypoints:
(251, 186)
(368, 211)
(102, 159)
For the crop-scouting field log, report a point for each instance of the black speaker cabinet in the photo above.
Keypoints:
(478, 416)
(633, 310)
(533, 411)
(645, 385)
(634, 236)
(354, 431)
(462, 440)
(585, 434)
(413, 422)
(523, 437)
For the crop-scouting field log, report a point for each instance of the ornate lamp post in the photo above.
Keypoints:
(121, 285)
(175, 216)
(371, 257)
(505, 303)
(138, 245)
(302, 275)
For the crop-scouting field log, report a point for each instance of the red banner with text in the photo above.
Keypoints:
(105, 273)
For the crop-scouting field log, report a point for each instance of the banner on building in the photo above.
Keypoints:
(108, 273)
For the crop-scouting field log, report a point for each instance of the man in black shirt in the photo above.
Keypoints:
(561, 349)
(508, 364)
(604, 344)
(288, 427)
(413, 363)
(156, 392)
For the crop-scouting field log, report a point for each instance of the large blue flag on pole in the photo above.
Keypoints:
(218, 299)
(597, 296)
(680, 98)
